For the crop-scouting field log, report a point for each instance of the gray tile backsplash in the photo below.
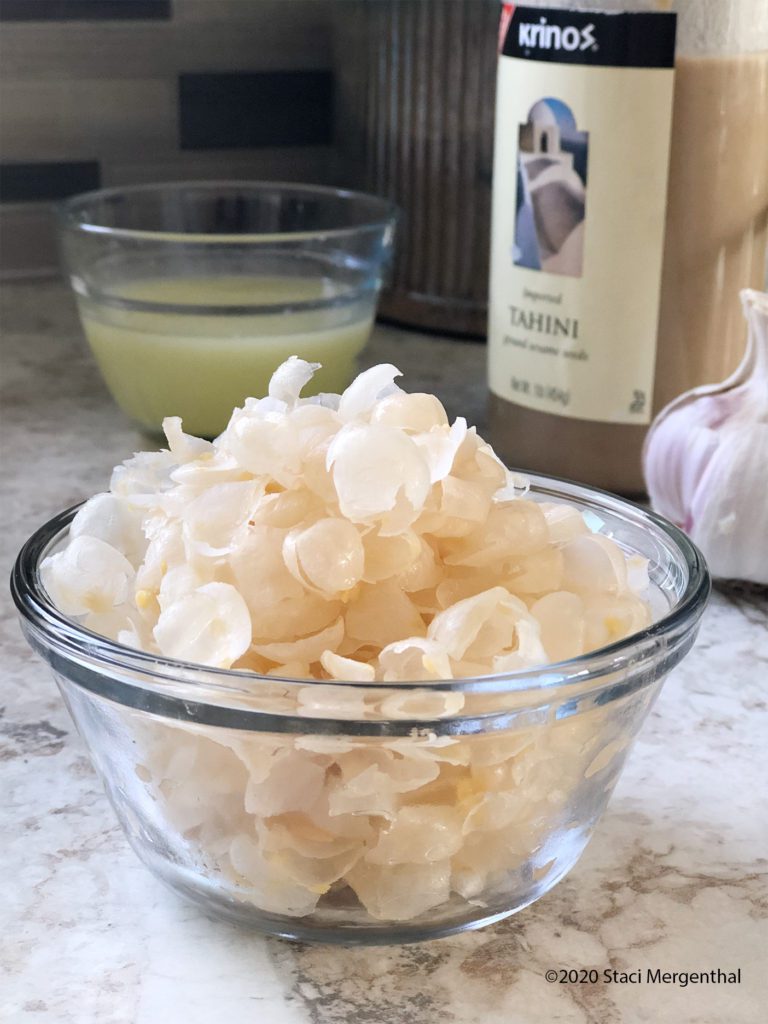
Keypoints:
(122, 91)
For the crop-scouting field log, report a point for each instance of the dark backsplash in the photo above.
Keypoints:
(82, 10)
(111, 92)
(20, 183)
(240, 110)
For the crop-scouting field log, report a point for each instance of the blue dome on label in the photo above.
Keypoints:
(553, 112)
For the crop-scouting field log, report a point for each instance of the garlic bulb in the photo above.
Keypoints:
(706, 460)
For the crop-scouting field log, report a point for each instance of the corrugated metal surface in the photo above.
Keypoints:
(416, 80)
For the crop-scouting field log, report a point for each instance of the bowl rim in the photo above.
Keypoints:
(664, 637)
(67, 209)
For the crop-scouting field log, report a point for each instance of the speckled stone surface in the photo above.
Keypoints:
(675, 877)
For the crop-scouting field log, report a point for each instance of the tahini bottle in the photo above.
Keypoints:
(630, 207)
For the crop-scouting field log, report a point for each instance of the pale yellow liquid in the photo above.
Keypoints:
(200, 366)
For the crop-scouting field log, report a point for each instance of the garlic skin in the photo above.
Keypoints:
(705, 460)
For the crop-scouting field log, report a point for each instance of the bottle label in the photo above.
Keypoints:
(583, 115)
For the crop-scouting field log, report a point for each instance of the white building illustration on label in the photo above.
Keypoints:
(551, 202)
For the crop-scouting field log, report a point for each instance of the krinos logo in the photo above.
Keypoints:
(543, 36)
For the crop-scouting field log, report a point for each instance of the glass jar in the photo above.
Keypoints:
(676, 318)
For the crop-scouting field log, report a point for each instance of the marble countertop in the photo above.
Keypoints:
(674, 878)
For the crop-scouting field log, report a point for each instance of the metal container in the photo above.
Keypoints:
(415, 93)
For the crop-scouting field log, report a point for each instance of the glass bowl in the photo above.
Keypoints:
(192, 294)
(368, 813)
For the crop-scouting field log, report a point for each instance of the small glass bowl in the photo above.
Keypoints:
(191, 294)
(264, 800)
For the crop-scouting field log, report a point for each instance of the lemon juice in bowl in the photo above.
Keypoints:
(192, 347)
(191, 294)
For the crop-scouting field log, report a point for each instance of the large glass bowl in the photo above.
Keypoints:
(365, 812)
(191, 294)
